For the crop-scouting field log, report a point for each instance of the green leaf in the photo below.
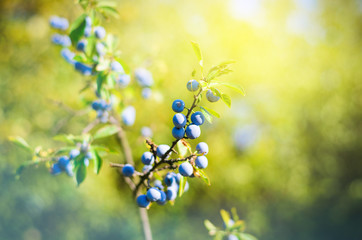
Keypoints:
(209, 226)
(106, 131)
(107, 10)
(83, 3)
(238, 225)
(212, 112)
(217, 71)
(204, 177)
(234, 214)
(106, 4)
(64, 138)
(226, 99)
(197, 51)
(206, 114)
(81, 173)
(91, 47)
(19, 141)
(97, 161)
(100, 79)
(182, 149)
(246, 236)
(233, 86)
(62, 151)
(225, 217)
(77, 29)
(182, 186)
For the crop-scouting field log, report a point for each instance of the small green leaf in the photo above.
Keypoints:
(106, 4)
(197, 51)
(193, 73)
(226, 99)
(19, 141)
(83, 3)
(81, 173)
(225, 217)
(206, 114)
(97, 161)
(107, 10)
(221, 69)
(182, 149)
(182, 186)
(64, 150)
(232, 86)
(91, 47)
(100, 79)
(204, 177)
(106, 131)
(80, 58)
(212, 112)
(209, 226)
(238, 225)
(234, 214)
(64, 138)
(77, 29)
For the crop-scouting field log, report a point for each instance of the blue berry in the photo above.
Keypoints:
(59, 23)
(81, 45)
(197, 118)
(178, 133)
(202, 148)
(55, 169)
(179, 120)
(142, 201)
(169, 179)
(82, 68)
(128, 170)
(186, 169)
(69, 170)
(162, 149)
(146, 93)
(143, 77)
(146, 168)
(123, 80)
(62, 40)
(96, 105)
(116, 66)
(211, 97)
(153, 194)
(178, 106)
(63, 161)
(68, 55)
(100, 49)
(178, 178)
(146, 132)
(100, 32)
(201, 162)
(193, 131)
(88, 21)
(147, 158)
(171, 194)
(193, 85)
(158, 184)
(230, 237)
(129, 116)
(163, 199)
(89, 155)
(87, 31)
(73, 153)
(86, 162)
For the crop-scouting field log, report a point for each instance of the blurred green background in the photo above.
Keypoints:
(288, 156)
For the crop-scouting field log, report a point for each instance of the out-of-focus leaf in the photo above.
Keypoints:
(19, 141)
(225, 217)
(81, 173)
(209, 226)
(234, 214)
(97, 161)
(238, 225)
(197, 51)
(100, 79)
(108, 11)
(182, 149)
(91, 46)
(182, 186)
(233, 86)
(206, 114)
(212, 112)
(226, 99)
(193, 73)
(64, 138)
(77, 29)
(106, 4)
(246, 236)
(64, 150)
(83, 3)
(219, 70)
(106, 131)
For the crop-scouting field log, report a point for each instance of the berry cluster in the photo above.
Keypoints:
(102, 108)
(64, 163)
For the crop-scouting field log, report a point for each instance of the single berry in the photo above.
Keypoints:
(201, 162)
(169, 179)
(81, 45)
(143, 77)
(186, 169)
(147, 158)
(123, 80)
(100, 32)
(73, 153)
(142, 201)
(192, 85)
(63, 161)
(87, 31)
(146, 93)
(55, 169)
(158, 184)
(197, 118)
(153, 194)
(193, 131)
(128, 170)
(86, 162)
(178, 133)
(100, 49)
(162, 149)
(146, 132)
(202, 148)
(62, 40)
(211, 97)
(171, 194)
(116, 66)
(129, 116)
(178, 106)
(68, 55)
(82, 68)
(179, 120)
(163, 199)
(230, 237)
